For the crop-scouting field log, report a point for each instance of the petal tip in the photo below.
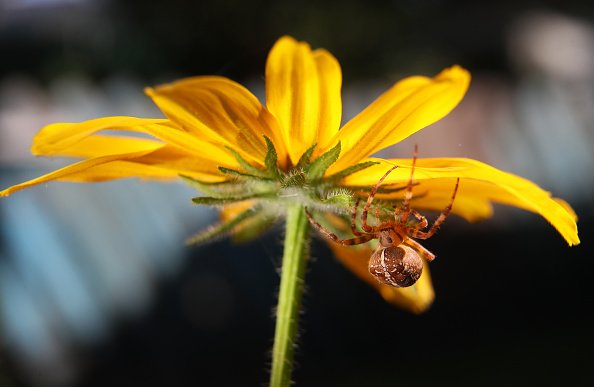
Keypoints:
(286, 39)
(414, 302)
(574, 240)
(149, 91)
(455, 73)
(287, 42)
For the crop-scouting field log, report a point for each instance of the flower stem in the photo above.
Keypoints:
(295, 257)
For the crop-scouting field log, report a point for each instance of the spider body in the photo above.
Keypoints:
(397, 260)
(398, 266)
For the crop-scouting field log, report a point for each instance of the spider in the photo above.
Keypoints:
(397, 260)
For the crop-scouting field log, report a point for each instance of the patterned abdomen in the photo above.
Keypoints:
(399, 266)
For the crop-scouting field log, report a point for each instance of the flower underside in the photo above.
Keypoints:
(270, 190)
(254, 160)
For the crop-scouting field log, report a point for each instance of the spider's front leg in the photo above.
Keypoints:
(374, 189)
(347, 242)
(408, 195)
(420, 218)
(354, 219)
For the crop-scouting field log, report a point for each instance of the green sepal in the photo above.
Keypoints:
(234, 172)
(210, 201)
(218, 189)
(254, 227)
(350, 170)
(341, 198)
(315, 171)
(220, 230)
(271, 160)
(249, 168)
(305, 157)
(295, 178)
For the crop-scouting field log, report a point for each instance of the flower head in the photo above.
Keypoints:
(253, 159)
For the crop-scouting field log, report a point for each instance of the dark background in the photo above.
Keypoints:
(505, 314)
(153, 39)
(514, 303)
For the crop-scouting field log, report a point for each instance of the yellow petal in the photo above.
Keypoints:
(96, 146)
(480, 184)
(201, 167)
(330, 97)
(165, 162)
(409, 106)
(63, 138)
(471, 208)
(156, 161)
(52, 138)
(222, 112)
(416, 298)
(116, 170)
(77, 139)
(303, 93)
(140, 170)
(76, 168)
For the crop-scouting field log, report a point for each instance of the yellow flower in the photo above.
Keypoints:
(213, 122)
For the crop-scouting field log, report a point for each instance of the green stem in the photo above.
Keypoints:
(289, 298)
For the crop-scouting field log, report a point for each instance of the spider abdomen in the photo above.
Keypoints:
(399, 266)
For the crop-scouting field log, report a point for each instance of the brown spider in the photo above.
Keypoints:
(397, 260)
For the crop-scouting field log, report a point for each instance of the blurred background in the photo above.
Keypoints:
(98, 289)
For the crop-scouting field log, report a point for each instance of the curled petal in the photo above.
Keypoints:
(480, 184)
(416, 298)
(303, 93)
(410, 105)
(54, 138)
(164, 155)
(72, 139)
(219, 111)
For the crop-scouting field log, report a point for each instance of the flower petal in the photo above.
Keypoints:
(416, 298)
(480, 184)
(410, 105)
(163, 164)
(157, 162)
(76, 168)
(172, 159)
(303, 93)
(77, 139)
(115, 157)
(220, 111)
(96, 146)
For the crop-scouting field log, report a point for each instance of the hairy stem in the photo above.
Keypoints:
(295, 258)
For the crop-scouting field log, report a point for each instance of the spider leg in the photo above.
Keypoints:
(364, 224)
(397, 211)
(353, 241)
(422, 220)
(377, 214)
(415, 233)
(354, 219)
(428, 255)
(409, 188)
